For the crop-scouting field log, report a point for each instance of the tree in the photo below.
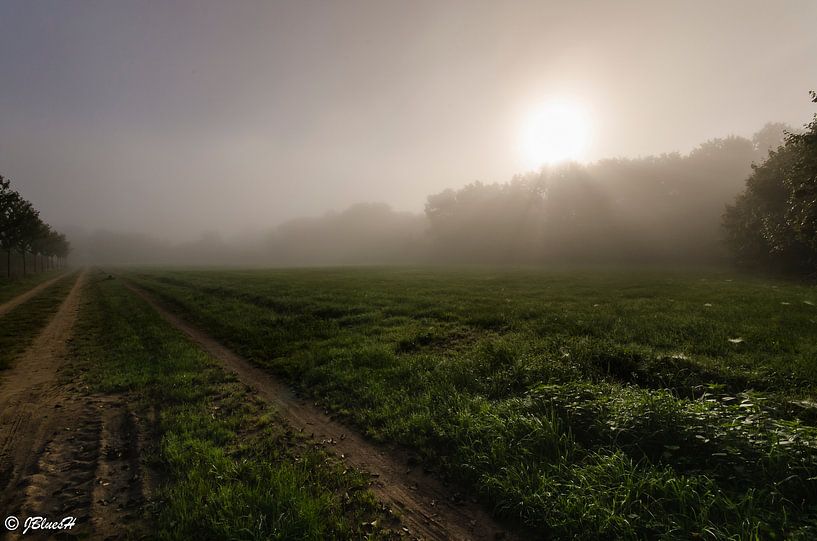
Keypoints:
(40, 244)
(28, 229)
(769, 137)
(19, 227)
(6, 200)
(773, 224)
(61, 247)
(22, 229)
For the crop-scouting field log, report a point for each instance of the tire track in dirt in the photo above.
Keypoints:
(11, 304)
(425, 506)
(118, 494)
(63, 452)
(25, 391)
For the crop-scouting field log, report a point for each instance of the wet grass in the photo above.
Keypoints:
(20, 326)
(229, 467)
(588, 404)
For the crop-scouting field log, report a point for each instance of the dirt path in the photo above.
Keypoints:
(426, 507)
(62, 452)
(9, 305)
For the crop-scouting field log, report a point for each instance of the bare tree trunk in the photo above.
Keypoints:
(24, 262)
(8, 263)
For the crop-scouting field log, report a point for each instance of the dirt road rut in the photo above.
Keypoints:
(11, 304)
(63, 452)
(426, 507)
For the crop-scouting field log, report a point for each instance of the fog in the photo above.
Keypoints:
(311, 133)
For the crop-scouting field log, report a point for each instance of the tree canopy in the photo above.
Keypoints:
(773, 223)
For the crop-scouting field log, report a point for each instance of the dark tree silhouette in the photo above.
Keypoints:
(773, 224)
(22, 229)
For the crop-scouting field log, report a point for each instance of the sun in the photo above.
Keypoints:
(552, 133)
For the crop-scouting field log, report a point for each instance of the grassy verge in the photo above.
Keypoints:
(230, 468)
(598, 405)
(11, 288)
(19, 327)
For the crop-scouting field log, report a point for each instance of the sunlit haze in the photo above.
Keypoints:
(178, 118)
(555, 132)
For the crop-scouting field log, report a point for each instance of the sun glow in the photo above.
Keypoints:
(553, 133)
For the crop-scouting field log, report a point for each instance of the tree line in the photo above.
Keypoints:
(696, 208)
(22, 231)
(658, 209)
(745, 201)
(664, 210)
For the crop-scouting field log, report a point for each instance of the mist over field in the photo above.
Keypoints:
(349, 133)
(657, 209)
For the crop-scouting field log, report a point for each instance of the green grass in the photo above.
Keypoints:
(230, 469)
(11, 288)
(587, 404)
(19, 327)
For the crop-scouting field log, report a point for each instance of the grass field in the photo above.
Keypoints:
(229, 468)
(584, 404)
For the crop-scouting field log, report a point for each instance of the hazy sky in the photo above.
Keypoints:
(171, 118)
